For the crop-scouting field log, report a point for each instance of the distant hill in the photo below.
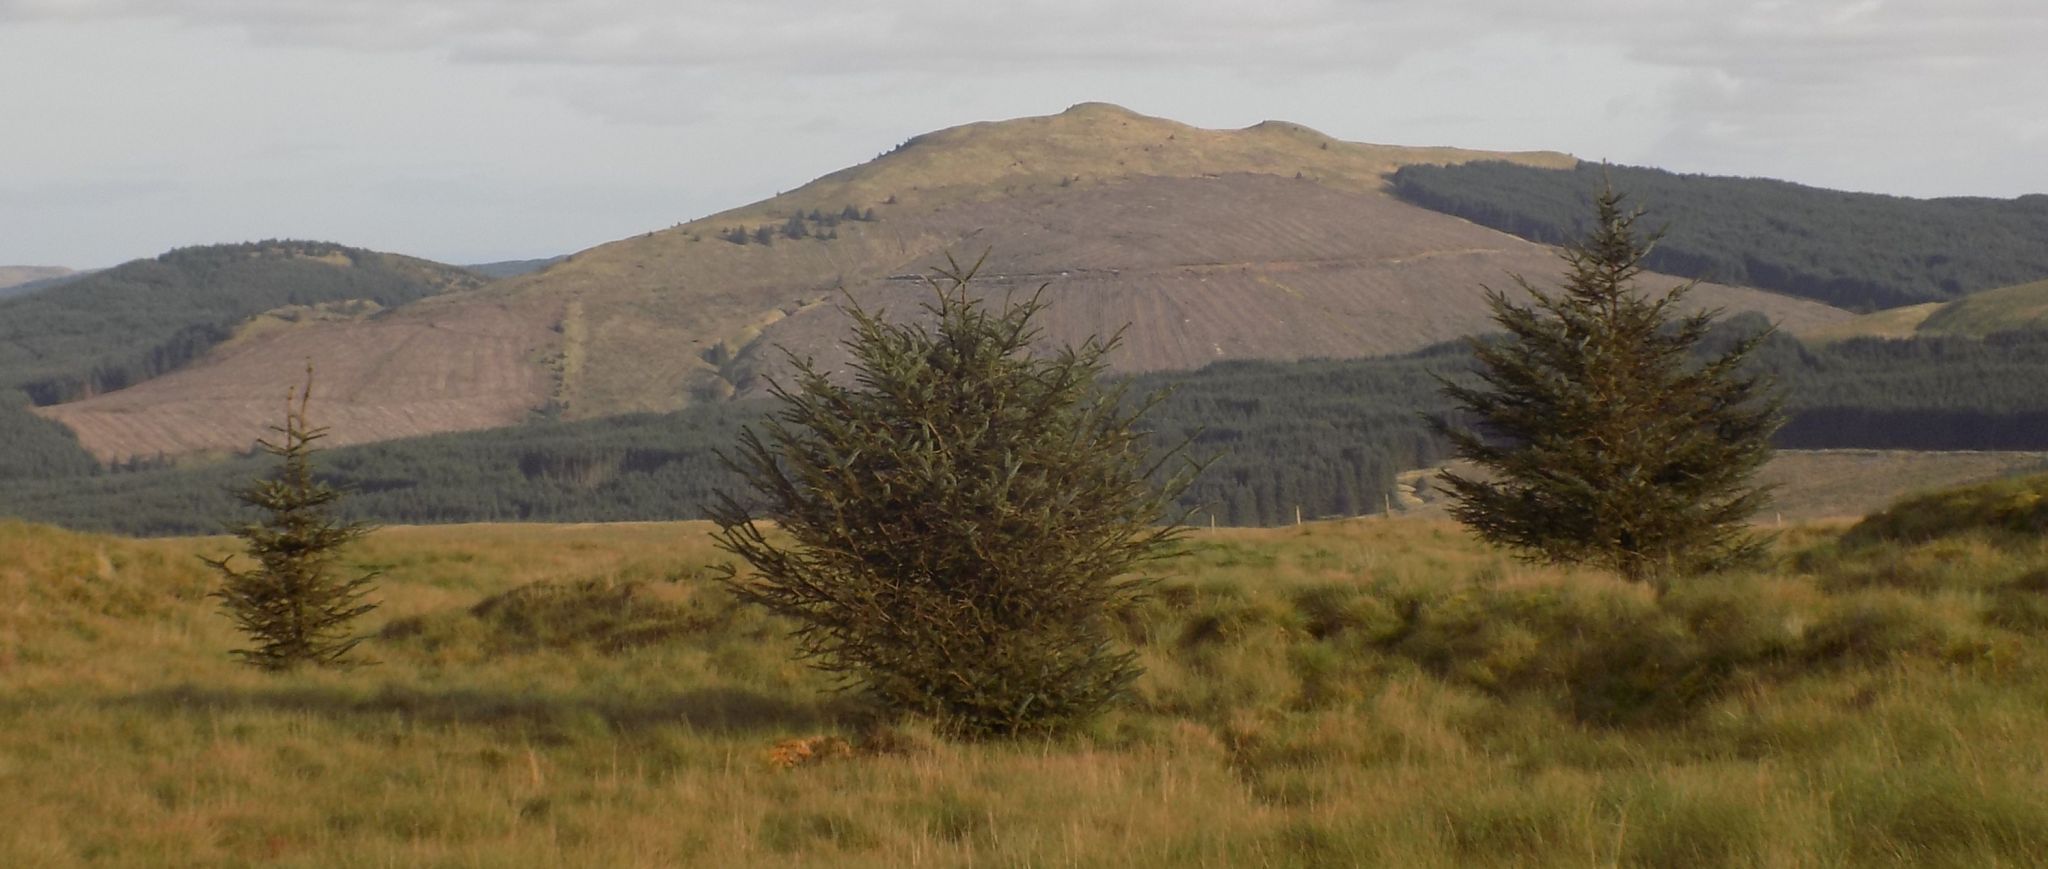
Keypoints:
(1270, 242)
(119, 327)
(111, 330)
(513, 267)
(16, 280)
(1856, 250)
(2006, 309)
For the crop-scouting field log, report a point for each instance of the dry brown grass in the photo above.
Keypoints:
(1364, 693)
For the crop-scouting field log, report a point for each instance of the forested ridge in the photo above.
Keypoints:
(118, 327)
(1327, 436)
(1861, 251)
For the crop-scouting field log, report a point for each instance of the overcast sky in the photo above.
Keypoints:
(473, 130)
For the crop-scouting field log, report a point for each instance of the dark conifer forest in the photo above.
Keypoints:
(1860, 251)
(1327, 436)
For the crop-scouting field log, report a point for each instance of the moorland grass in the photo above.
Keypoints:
(1368, 692)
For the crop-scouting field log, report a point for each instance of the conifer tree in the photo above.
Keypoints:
(291, 605)
(1606, 438)
(954, 531)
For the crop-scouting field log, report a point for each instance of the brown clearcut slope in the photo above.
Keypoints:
(649, 320)
(467, 369)
(1268, 242)
(1237, 267)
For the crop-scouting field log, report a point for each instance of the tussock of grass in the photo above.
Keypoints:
(2007, 511)
(599, 614)
(1361, 693)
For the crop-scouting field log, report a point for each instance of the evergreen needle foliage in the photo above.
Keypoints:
(292, 606)
(1607, 441)
(958, 527)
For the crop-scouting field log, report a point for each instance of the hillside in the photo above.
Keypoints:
(1234, 267)
(74, 353)
(119, 327)
(1271, 242)
(412, 374)
(512, 267)
(1856, 250)
(15, 280)
(2005, 309)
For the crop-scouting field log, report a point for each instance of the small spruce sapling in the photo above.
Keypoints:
(292, 605)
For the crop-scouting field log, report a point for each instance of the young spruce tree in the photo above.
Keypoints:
(1605, 438)
(292, 606)
(953, 532)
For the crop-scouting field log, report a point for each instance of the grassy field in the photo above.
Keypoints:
(1370, 692)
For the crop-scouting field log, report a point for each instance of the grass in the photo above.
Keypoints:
(1370, 692)
(2006, 309)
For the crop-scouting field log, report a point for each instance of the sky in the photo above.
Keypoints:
(478, 130)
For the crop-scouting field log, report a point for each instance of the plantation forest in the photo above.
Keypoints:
(1860, 251)
(1327, 436)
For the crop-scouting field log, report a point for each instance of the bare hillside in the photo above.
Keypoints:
(1270, 242)
(404, 376)
(1235, 267)
(650, 321)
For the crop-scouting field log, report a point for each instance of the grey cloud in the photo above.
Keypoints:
(30, 195)
(1778, 49)
(805, 35)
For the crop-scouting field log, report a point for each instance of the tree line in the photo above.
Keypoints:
(1325, 436)
(1860, 251)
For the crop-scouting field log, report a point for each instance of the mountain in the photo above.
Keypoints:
(1858, 250)
(1270, 242)
(2006, 309)
(16, 280)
